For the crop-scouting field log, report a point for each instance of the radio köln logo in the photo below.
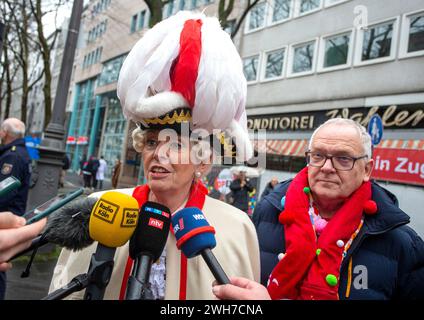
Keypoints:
(156, 223)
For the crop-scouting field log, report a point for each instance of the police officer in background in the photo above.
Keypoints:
(14, 161)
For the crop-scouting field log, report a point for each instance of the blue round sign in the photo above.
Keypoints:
(375, 129)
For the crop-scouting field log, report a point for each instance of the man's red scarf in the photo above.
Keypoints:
(302, 273)
(196, 199)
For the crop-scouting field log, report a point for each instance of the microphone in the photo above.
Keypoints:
(146, 246)
(67, 227)
(111, 222)
(195, 236)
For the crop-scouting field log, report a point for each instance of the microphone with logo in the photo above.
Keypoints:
(195, 236)
(146, 246)
(112, 222)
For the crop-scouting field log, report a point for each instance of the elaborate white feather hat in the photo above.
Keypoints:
(187, 61)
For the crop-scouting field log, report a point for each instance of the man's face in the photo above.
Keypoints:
(327, 183)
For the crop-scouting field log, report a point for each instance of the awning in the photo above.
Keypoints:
(402, 144)
(297, 148)
(294, 148)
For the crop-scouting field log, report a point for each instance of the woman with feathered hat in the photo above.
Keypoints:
(185, 75)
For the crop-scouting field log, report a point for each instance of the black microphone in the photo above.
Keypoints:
(67, 227)
(146, 246)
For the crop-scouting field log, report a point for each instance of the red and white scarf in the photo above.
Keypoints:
(302, 273)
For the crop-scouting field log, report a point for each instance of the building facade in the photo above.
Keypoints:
(307, 61)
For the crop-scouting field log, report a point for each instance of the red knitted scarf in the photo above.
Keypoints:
(303, 273)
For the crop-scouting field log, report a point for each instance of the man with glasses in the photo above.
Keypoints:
(330, 233)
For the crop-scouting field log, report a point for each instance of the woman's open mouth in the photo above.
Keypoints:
(158, 172)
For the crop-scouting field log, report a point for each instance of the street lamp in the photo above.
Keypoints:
(52, 149)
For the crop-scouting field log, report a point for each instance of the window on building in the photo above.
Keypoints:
(309, 5)
(168, 9)
(416, 33)
(377, 41)
(194, 4)
(274, 64)
(133, 23)
(281, 10)
(250, 68)
(336, 50)
(333, 2)
(257, 16)
(114, 133)
(141, 19)
(110, 71)
(303, 57)
(182, 5)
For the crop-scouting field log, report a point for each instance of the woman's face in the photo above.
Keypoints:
(166, 165)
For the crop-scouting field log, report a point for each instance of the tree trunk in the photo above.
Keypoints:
(155, 8)
(45, 54)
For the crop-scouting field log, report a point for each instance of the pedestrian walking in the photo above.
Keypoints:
(240, 189)
(115, 173)
(100, 175)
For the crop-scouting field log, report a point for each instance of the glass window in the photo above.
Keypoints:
(377, 41)
(416, 33)
(303, 57)
(274, 64)
(110, 71)
(330, 2)
(141, 19)
(182, 4)
(309, 5)
(194, 4)
(336, 50)
(281, 10)
(168, 9)
(257, 16)
(250, 68)
(133, 23)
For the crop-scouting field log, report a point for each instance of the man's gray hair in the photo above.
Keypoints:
(362, 132)
(14, 127)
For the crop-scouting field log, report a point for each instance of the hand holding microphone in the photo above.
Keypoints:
(111, 222)
(15, 236)
(195, 236)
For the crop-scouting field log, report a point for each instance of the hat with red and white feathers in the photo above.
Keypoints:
(187, 61)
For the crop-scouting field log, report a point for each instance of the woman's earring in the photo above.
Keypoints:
(198, 174)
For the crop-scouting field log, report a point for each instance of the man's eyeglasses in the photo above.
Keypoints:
(342, 163)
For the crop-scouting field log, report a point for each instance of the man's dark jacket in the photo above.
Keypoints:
(15, 161)
(386, 252)
(241, 194)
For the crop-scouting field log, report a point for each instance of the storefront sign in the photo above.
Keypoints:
(393, 117)
(399, 165)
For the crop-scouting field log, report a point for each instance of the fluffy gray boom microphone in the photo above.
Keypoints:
(67, 227)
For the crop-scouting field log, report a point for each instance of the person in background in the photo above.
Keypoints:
(14, 161)
(269, 187)
(100, 175)
(115, 173)
(66, 166)
(240, 189)
(93, 165)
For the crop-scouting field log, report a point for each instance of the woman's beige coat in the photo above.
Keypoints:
(237, 251)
